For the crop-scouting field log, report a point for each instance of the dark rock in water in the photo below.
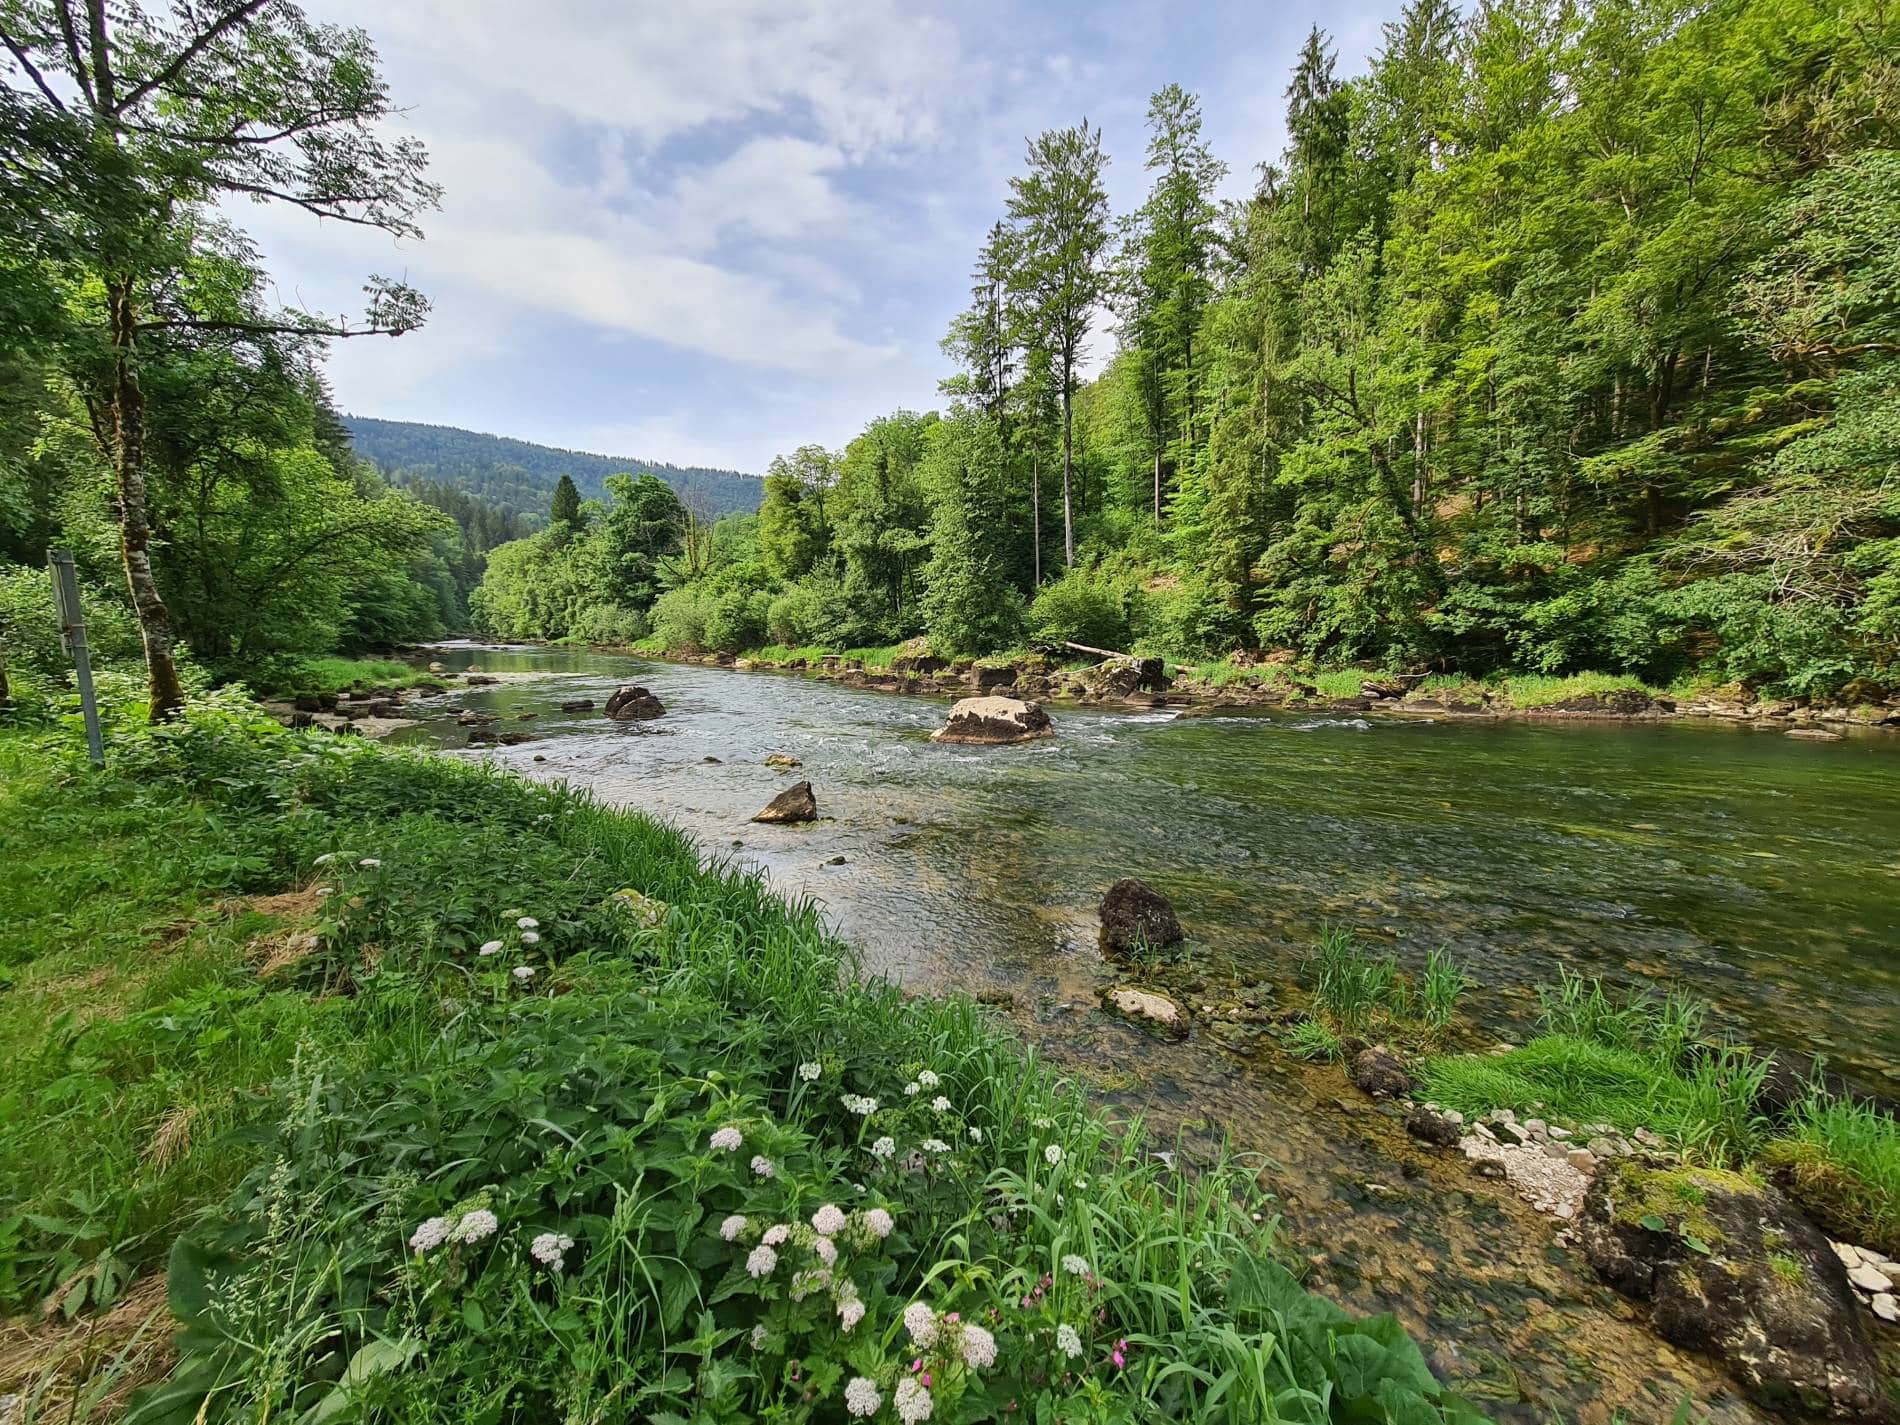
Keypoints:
(1734, 1271)
(479, 680)
(385, 707)
(1432, 1127)
(1134, 915)
(793, 804)
(578, 705)
(994, 721)
(714, 761)
(633, 704)
(515, 739)
(1359, 704)
(481, 734)
(306, 704)
(1381, 1073)
(1618, 702)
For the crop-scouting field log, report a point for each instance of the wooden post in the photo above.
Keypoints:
(72, 632)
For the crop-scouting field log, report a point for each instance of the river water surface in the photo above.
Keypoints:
(1759, 872)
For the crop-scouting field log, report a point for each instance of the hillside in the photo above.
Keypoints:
(519, 475)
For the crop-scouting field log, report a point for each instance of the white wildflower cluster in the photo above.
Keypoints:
(976, 1134)
(921, 1322)
(827, 1251)
(934, 1145)
(759, 1336)
(369, 863)
(911, 1401)
(1052, 1155)
(912, 1089)
(977, 1347)
(940, 1104)
(810, 1282)
(527, 922)
(431, 1234)
(828, 1220)
(762, 1167)
(884, 1147)
(850, 1309)
(476, 1226)
(928, 1079)
(776, 1234)
(1068, 1340)
(490, 947)
(861, 1397)
(727, 1139)
(761, 1262)
(878, 1223)
(859, 1104)
(1075, 1266)
(523, 973)
(810, 1072)
(732, 1227)
(550, 1249)
(530, 937)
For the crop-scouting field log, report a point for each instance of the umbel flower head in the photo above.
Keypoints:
(828, 1220)
(911, 1401)
(878, 1223)
(550, 1249)
(728, 1139)
(921, 1322)
(761, 1261)
(861, 1396)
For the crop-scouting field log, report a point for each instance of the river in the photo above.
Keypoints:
(1760, 873)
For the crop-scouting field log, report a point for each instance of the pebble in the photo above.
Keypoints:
(1558, 1132)
(1582, 1159)
(1886, 1307)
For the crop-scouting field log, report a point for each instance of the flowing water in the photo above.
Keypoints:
(1759, 872)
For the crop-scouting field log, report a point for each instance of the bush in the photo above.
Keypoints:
(609, 623)
(679, 619)
(29, 624)
(1081, 607)
(737, 620)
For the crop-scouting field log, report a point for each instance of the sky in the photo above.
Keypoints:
(710, 232)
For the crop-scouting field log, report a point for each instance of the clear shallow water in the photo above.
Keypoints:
(1758, 871)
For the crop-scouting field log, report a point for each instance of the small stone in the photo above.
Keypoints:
(1558, 1132)
(793, 804)
(1582, 1159)
(1536, 1127)
(1849, 1255)
(1869, 1279)
(1886, 1306)
(1512, 1133)
(1566, 1210)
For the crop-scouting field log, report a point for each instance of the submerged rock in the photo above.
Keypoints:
(1381, 1073)
(784, 761)
(994, 721)
(1148, 1008)
(1430, 1126)
(578, 705)
(633, 704)
(1733, 1270)
(793, 804)
(1135, 915)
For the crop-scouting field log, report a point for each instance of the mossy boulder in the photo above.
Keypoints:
(1730, 1268)
(1137, 917)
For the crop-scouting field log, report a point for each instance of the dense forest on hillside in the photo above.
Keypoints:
(1562, 338)
(521, 476)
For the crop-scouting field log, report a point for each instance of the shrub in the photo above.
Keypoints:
(679, 619)
(1080, 607)
(29, 624)
(737, 620)
(609, 623)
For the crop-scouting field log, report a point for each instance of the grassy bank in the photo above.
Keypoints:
(445, 1095)
(1643, 1062)
(299, 677)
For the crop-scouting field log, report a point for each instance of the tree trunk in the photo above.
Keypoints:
(1157, 487)
(1035, 517)
(135, 527)
(1068, 466)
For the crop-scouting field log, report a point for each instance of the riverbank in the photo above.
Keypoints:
(1242, 685)
(473, 1057)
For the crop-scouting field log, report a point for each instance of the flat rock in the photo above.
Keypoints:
(1136, 916)
(994, 721)
(795, 803)
(1148, 1008)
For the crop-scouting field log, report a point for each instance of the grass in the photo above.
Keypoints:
(1313, 1039)
(283, 1134)
(1841, 1161)
(1537, 690)
(336, 675)
(1356, 992)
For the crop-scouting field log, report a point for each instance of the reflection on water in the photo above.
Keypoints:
(1761, 872)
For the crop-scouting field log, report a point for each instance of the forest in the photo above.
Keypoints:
(1561, 339)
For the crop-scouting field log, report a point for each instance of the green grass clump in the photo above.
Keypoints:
(336, 675)
(1313, 1039)
(1358, 992)
(1841, 1161)
(1537, 690)
(478, 1056)
(1340, 682)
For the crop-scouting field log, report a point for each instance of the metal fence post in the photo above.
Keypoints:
(72, 632)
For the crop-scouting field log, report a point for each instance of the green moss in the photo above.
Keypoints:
(1678, 1197)
(1787, 1268)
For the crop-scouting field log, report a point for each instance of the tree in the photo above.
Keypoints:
(794, 535)
(566, 506)
(128, 127)
(1170, 251)
(1061, 213)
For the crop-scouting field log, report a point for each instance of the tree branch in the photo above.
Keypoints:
(190, 52)
(80, 72)
(205, 324)
(19, 54)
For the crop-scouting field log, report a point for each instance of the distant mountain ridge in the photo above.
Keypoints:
(519, 475)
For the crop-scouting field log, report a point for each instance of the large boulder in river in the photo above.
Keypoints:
(994, 721)
(632, 704)
(1733, 1270)
(1135, 916)
(1149, 1009)
(793, 804)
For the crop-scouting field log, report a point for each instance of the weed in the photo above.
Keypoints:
(1313, 1039)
